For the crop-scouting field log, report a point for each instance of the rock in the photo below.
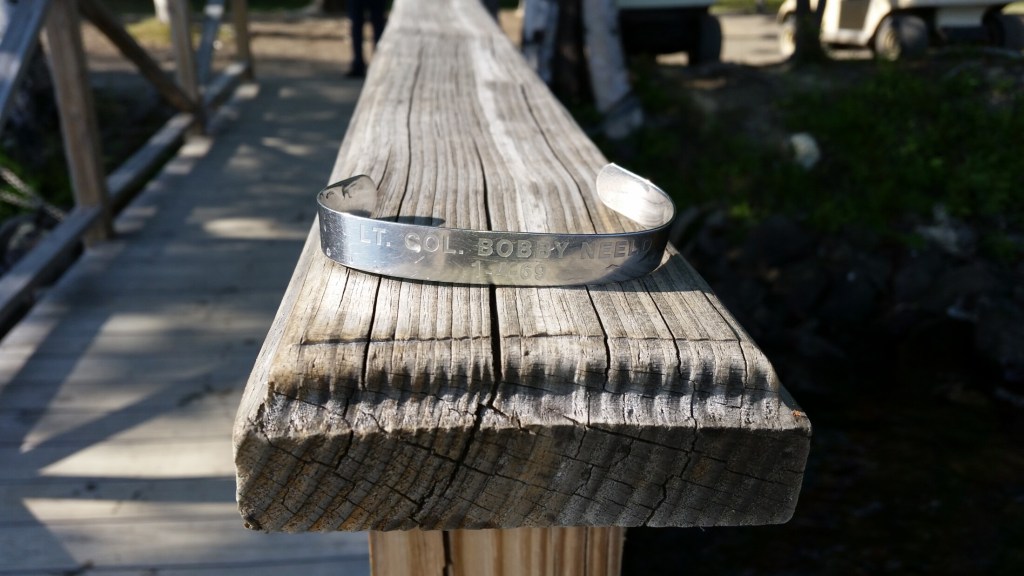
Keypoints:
(999, 336)
(777, 241)
(956, 291)
(742, 294)
(949, 234)
(915, 275)
(851, 299)
(811, 345)
(709, 241)
(804, 149)
(799, 287)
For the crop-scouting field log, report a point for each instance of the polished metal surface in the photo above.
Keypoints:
(461, 256)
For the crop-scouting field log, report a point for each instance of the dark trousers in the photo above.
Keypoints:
(357, 14)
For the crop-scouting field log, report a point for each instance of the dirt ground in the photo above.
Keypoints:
(282, 42)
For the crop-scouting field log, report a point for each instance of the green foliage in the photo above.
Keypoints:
(698, 157)
(734, 6)
(905, 140)
(896, 142)
(146, 6)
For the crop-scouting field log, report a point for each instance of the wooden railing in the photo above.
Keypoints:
(98, 196)
(500, 431)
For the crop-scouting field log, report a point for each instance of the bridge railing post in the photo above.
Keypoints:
(77, 110)
(500, 430)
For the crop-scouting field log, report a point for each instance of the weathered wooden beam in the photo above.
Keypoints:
(223, 86)
(111, 27)
(378, 404)
(77, 114)
(19, 35)
(130, 175)
(47, 259)
(127, 178)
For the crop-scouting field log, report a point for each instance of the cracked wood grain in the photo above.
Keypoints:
(377, 404)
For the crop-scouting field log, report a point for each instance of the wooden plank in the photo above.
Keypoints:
(407, 553)
(221, 88)
(98, 320)
(88, 386)
(386, 405)
(136, 170)
(42, 263)
(77, 114)
(98, 368)
(103, 344)
(20, 24)
(111, 27)
(213, 13)
(126, 537)
(70, 398)
(583, 551)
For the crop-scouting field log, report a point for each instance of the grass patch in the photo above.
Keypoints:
(148, 31)
(909, 139)
(897, 142)
(146, 6)
(745, 6)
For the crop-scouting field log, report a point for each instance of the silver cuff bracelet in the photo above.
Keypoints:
(460, 256)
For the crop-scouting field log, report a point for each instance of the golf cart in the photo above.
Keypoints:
(666, 26)
(906, 28)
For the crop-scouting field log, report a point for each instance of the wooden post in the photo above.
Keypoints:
(213, 15)
(609, 76)
(514, 552)
(240, 20)
(184, 56)
(467, 426)
(19, 34)
(77, 114)
(106, 22)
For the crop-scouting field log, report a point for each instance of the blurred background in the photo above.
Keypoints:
(857, 203)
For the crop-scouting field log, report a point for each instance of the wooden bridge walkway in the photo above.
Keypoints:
(118, 390)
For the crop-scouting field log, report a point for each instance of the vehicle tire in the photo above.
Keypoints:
(901, 36)
(1006, 30)
(707, 47)
(787, 35)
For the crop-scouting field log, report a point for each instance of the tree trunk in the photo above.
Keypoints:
(807, 39)
(160, 6)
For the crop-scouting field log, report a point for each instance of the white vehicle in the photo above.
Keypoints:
(906, 28)
(666, 26)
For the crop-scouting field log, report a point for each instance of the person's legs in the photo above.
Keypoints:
(355, 16)
(377, 19)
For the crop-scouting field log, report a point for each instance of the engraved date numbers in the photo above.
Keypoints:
(509, 270)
